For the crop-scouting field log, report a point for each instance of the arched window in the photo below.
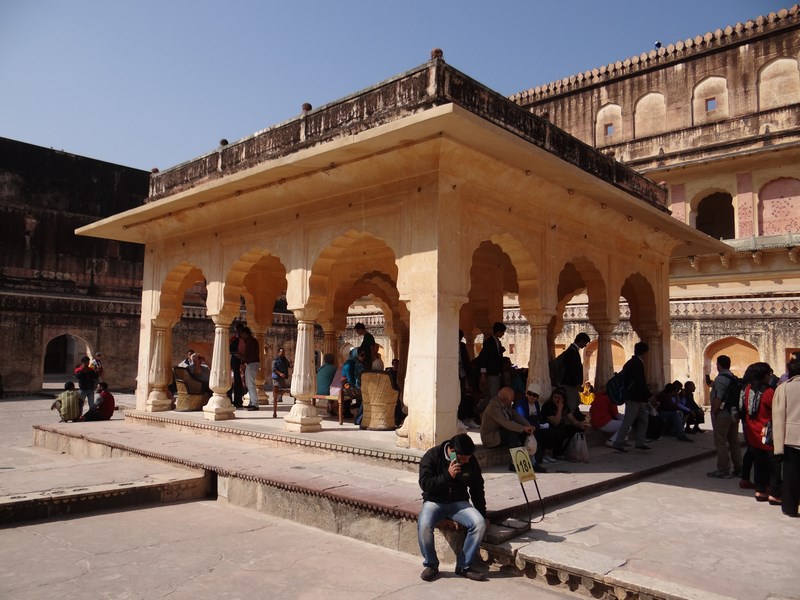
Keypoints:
(778, 84)
(608, 126)
(715, 216)
(650, 115)
(710, 100)
(779, 207)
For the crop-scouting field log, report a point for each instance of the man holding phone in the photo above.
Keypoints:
(450, 476)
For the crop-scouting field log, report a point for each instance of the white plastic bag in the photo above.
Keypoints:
(577, 450)
(531, 445)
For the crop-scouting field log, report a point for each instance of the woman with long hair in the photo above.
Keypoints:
(757, 406)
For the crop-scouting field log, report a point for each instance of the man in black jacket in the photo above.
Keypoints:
(636, 395)
(572, 371)
(450, 476)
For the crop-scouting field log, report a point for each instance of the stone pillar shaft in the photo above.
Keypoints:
(303, 417)
(219, 407)
(157, 399)
(538, 365)
(329, 345)
(605, 357)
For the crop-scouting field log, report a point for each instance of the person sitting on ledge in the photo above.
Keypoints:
(562, 422)
(504, 427)
(604, 416)
(450, 476)
(669, 412)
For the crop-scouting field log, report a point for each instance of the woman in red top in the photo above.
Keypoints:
(757, 408)
(604, 416)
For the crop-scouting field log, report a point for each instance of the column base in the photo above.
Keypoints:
(219, 408)
(402, 435)
(158, 401)
(302, 418)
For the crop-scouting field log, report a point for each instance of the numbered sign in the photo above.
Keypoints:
(522, 464)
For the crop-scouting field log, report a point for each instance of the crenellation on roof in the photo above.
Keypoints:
(681, 50)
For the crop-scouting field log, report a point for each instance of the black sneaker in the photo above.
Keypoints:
(252, 407)
(643, 447)
(619, 449)
(537, 468)
(471, 574)
(429, 573)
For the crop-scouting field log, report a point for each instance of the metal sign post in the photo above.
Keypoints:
(524, 468)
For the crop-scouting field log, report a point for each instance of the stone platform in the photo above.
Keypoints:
(638, 525)
(359, 484)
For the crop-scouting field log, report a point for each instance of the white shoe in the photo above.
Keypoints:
(549, 459)
(471, 424)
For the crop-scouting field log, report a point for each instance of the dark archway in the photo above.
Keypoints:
(715, 216)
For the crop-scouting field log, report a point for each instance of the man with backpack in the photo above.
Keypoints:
(725, 420)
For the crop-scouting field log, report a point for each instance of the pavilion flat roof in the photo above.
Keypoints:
(431, 100)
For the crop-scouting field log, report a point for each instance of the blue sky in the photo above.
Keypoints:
(154, 83)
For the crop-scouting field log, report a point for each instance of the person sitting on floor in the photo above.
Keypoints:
(672, 417)
(604, 416)
(694, 414)
(70, 403)
(561, 420)
(503, 427)
(104, 405)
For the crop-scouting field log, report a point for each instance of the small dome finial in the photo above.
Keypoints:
(437, 53)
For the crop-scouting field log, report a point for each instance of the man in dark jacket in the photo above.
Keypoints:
(572, 371)
(450, 476)
(490, 361)
(636, 395)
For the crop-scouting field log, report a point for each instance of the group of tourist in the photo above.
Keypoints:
(71, 402)
(450, 476)
(768, 408)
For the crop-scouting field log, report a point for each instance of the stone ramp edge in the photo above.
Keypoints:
(290, 486)
(19, 508)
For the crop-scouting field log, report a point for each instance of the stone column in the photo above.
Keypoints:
(219, 407)
(402, 356)
(303, 417)
(605, 357)
(260, 334)
(653, 361)
(157, 399)
(329, 345)
(430, 389)
(539, 363)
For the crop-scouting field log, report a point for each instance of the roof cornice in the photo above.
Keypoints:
(715, 41)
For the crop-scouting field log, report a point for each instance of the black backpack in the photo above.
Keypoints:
(615, 388)
(730, 401)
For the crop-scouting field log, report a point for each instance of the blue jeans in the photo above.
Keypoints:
(461, 512)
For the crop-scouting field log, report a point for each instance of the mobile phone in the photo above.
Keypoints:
(452, 455)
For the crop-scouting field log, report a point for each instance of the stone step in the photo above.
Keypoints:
(96, 485)
(335, 491)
